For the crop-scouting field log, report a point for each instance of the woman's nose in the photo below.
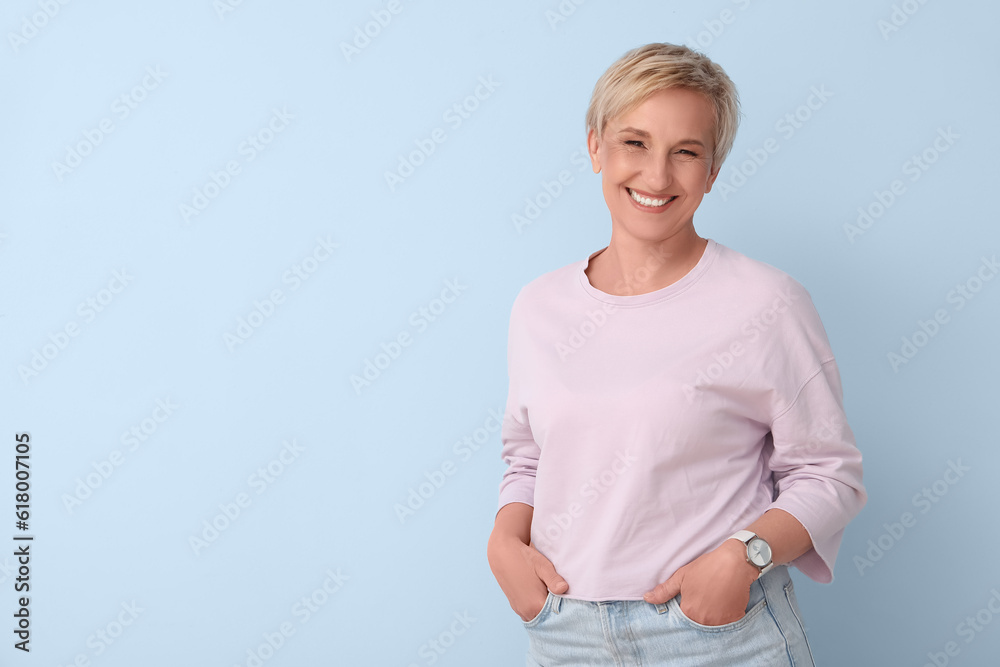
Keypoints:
(659, 174)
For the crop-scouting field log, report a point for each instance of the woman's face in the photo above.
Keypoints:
(660, 151)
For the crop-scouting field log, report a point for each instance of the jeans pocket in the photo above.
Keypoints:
(541, 612)
(675, 604)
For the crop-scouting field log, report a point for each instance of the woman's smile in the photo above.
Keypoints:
(644, 201)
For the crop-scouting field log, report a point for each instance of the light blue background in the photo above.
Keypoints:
(332, 507)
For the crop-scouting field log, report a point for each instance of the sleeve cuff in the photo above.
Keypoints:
(818, 562)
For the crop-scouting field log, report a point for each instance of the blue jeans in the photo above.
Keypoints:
(634, 632)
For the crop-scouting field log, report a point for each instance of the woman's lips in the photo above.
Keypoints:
(645, 202)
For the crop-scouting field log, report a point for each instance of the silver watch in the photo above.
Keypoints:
(758, 550)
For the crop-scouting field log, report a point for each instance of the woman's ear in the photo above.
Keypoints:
(592, 147)
(712, 175)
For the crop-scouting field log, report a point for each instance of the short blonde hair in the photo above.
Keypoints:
(654, 67)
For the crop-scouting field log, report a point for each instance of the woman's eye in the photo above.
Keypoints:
(685, 151)
(634, 142)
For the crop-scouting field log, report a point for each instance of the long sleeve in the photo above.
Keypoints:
(816, 468)
(519, 450)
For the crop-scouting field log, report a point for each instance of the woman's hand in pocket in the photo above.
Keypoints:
(524, 575)
(714, 588)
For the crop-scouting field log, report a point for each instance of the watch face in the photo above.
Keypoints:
(759, 552)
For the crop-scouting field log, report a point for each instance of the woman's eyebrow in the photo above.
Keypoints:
(646, 135)
(633, 130)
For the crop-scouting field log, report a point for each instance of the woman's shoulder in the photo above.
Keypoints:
(755, 276)
(550, 284)
(775, 308)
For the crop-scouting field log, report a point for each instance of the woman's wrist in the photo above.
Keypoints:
(513, 521)
(737, 552)
(787, 537)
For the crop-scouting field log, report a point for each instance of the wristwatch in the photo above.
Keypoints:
(758, 551)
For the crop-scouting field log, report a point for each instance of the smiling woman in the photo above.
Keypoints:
(740, 459)
(657, 164)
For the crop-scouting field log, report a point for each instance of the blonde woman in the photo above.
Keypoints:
(674, 431)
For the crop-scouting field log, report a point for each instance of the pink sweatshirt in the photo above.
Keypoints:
(647, 429)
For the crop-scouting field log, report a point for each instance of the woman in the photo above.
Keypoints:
(674, 430)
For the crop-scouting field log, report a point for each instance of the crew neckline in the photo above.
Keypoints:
(672, 290)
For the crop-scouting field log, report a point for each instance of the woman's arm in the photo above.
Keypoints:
(524, 574)
(715, 587)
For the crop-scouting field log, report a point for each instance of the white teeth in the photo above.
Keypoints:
(646, 201)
